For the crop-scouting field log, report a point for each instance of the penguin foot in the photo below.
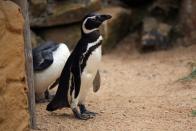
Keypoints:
(48, 96)
(83, 110)
(91, 114)
(81, 116)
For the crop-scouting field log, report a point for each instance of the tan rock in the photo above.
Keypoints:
(13, 97)
(35, 40)
(37, 7)
(64, 12)
(113, 31)
(154, 34)
(188, 21)
(66, 34)
(117, 27)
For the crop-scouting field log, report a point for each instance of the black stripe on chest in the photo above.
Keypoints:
(83, 64)
(87, 55)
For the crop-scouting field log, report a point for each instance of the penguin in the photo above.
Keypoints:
(48, 61)
(80, 70)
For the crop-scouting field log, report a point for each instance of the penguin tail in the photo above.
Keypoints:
(59, 101)
(52, 106)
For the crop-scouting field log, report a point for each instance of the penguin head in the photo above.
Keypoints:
(92, 22)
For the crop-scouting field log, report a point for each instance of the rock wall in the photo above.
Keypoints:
(13, 96)
(116, 28)
(113, 31)
(188, 19)
(47, 14)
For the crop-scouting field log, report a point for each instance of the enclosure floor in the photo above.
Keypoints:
(139, 92)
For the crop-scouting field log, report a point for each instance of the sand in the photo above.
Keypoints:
(139, 92)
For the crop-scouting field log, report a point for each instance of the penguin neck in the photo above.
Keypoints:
(91, 36)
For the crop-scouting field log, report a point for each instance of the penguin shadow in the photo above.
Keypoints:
(62, 115)
(67, 116)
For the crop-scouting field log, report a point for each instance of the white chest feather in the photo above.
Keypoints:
(94, 59)
(89, 72)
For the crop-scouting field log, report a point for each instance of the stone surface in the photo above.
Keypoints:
(66, 34)
(63, 12)
(38, 7)
(137, 3)
(35, 40)
(188, 21)
(113, 30)
(13, 97)
(117, 27)
(155, 34)
(165, 7)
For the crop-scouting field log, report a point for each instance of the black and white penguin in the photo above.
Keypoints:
(81, 69)
(48, 62)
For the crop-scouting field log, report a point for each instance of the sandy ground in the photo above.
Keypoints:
(139, 92)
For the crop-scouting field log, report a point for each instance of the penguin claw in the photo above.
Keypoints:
(85, 116)
(83, 110)
(82, 116)
(92, 114)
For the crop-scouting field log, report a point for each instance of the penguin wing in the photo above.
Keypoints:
(76, 70)
(60, 99)
(56, 82)
(43, 55)
(97, 82)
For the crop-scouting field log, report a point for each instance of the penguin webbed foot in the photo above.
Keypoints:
(83, 110)
(81, 116)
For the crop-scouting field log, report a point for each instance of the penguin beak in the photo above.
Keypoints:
(103, 18)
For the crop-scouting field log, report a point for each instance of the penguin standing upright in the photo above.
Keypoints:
(80, 69)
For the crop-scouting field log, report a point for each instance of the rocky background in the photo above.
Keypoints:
(59, 20)
(156, 23)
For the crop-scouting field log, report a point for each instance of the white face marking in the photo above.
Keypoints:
(87, 31)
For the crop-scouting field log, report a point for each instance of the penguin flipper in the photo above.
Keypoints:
(54, 83)
(76, 70)
(43, 56)
(97, 82)
(60, 99)
(42, 61)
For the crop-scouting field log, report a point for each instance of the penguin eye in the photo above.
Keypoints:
(93, 19)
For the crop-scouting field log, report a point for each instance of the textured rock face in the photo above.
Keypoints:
(112, 31)
(61, 12)
(13, 98)
(189, 20)
(154, 34)
(66, 34)
(117, 27)
(37, 7)
(193, 21)
(35, 40)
